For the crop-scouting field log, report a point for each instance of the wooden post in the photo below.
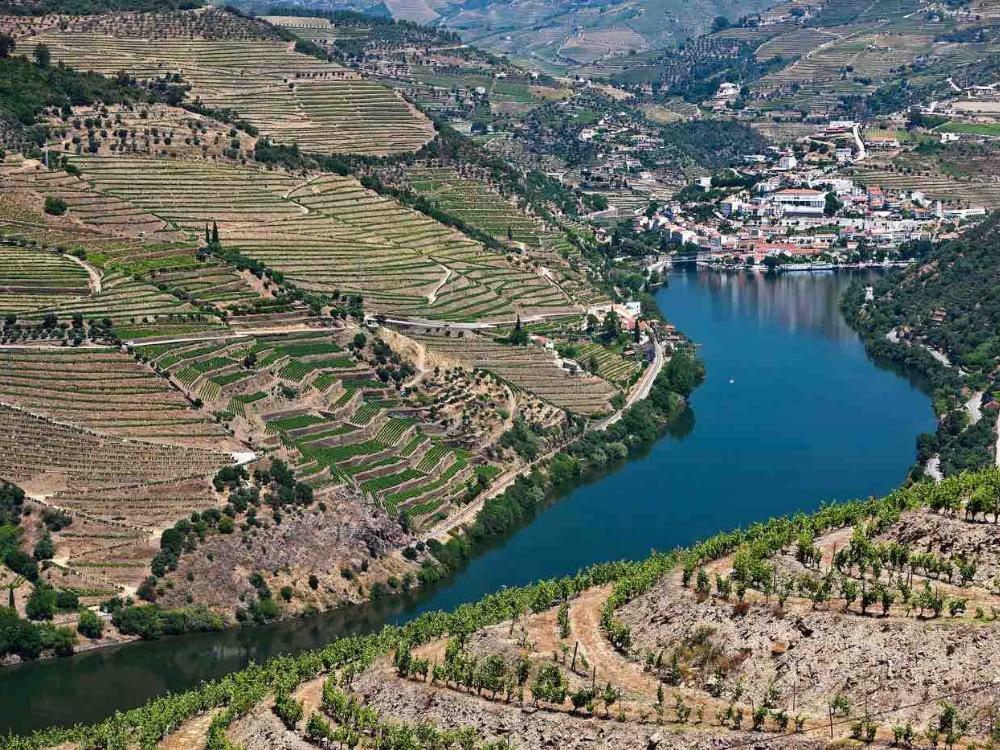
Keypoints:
(830, 711)
(576, 646)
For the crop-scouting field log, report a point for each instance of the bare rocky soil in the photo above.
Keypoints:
(528, 727)
(347, 536)
(900, 665)
(699, 657)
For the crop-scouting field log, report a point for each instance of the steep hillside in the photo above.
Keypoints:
(240, 65)
(866, 622)
(940, 316)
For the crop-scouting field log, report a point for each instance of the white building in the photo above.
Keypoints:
(786, 163)
(732, 206)
(800, 201)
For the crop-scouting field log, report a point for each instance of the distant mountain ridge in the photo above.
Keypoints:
(566, 34)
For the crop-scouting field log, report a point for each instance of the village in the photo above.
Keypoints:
(831, 198)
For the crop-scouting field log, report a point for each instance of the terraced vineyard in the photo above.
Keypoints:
(794, 43)
(317, 30)
(472, 201)
(843, 60)
(338, 429)
(245, 67)
(105, 391)
(610, 366)
(471, 198)
(934, 186)
(119, 491)
(30, 279)
(330, 234)
(530, 368)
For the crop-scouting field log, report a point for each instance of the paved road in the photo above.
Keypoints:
(468, 513)
(640, 390)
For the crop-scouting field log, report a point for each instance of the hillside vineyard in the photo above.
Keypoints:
(305, 305)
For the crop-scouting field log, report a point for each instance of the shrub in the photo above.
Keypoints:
(287, 709)
(42, 603)
(90, 625)
(45, 549)
(55, 206)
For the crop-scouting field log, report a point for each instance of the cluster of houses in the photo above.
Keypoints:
(788, 209)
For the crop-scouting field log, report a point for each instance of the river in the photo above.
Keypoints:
(792, 413)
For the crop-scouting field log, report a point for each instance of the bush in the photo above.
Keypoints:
(265, 610)
(22, 564)
(90, 625)
(287, 709)
(55, 206)
(45, 549)
(67, 601)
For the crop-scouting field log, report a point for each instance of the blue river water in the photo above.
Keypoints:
(792, 413)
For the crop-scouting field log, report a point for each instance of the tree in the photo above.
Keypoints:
(519, 336)
(550, 685)
(719, 23)
(42, 55)
(22, 564)
(612, 327)
(831, 205)
(608, 697)
(492, 674)
(42, 603)
(7, 46)
(215, 233)
(849, 590)
(45, 549)
(90, 625)
(950, 724)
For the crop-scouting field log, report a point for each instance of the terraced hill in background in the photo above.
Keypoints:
(563, 36)
(327, 233)
(240, 65)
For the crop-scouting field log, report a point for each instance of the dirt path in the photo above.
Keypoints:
(311, 694)
(972, 407)
(93, 274)
(432, 297)
(585, 627)
(191, 734)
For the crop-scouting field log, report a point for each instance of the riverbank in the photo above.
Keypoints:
(229, 700)
(444, 549)
(959, 441)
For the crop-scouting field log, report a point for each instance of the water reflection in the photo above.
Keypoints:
(801, 303)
